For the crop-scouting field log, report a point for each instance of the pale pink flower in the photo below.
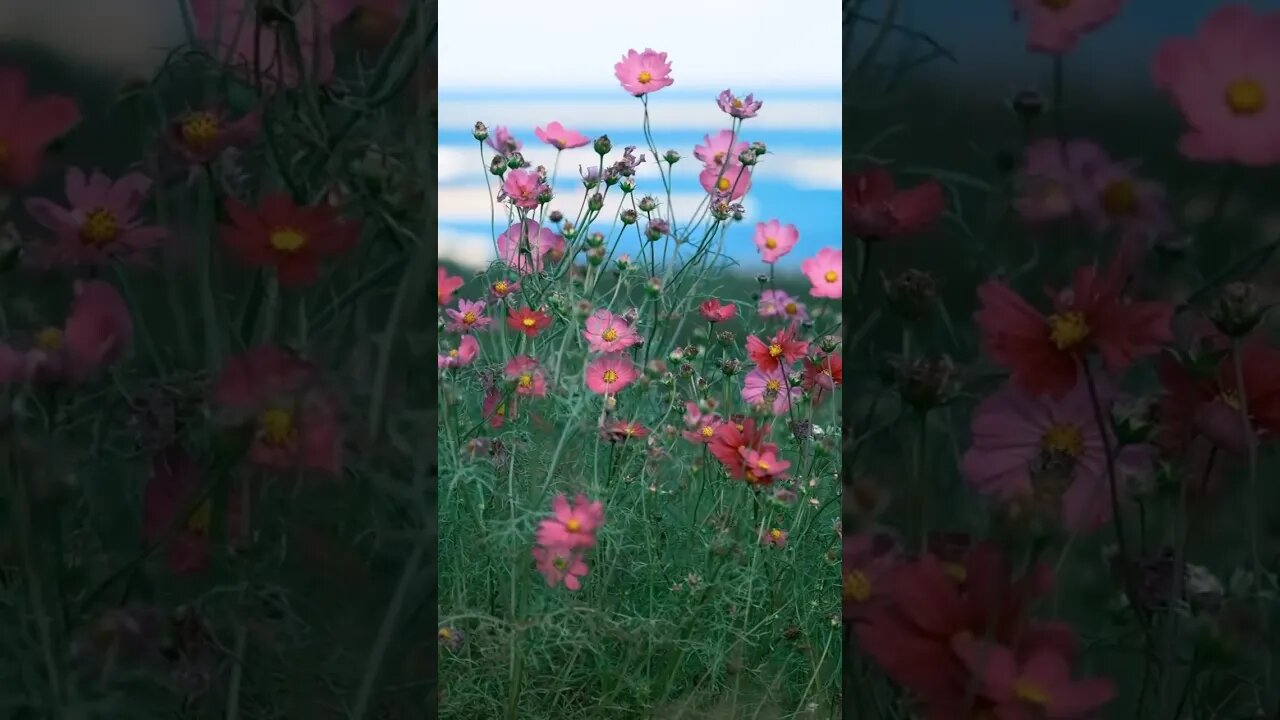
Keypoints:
(539, 241)
(774, 240)
(1115, 197)
(1050, 180)
(732, 181)
(741, 108)
(643, 73)
(461, 356)
(720, 148)
(200, 136)
(523, 188)
(572, 526)
(761, 387)
(611, 373)
(528, 375)
(1055, 26)
(101, 225)
(502, 141)
(777, 303)
(608, 333)
(1224, 81)
(825, 271)
(560, 566)
(774, 537)
(468, 317)
(561, 137)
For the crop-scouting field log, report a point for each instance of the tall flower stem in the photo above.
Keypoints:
(1109, 452)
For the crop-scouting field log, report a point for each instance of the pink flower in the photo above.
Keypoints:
(763, 467)
(775, 537)
(1037, 449)
(571, 526)
(200, 136)
(702, 426)
(774, 240)
(538, 240)
(560, 566)
(1225, 83)
(262, 48)
(561, 137)
(713, 311)
(502, 141)
(503, 288)
(296, 422)
(1055, 26)
(770, 386)
(1115, 197)
(528, 375)
(876, 209)
(173, 485)
(610, 373)
(469, 317)
(781, 352)
(719, 148)
(1036, 681)
(777, 303)
(643, 73)
(495, 409)
(102, 223)
(460, 356)
(733, 181)
(825, 271)
(446, 285)
(296, 240)
(98, 331)
(741, 108)
(608, 333)
(27, 126)
(1049, 183)
(523, 188)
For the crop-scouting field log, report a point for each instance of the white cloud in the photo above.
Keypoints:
(810, 171)
(471, 250)
(525, 113)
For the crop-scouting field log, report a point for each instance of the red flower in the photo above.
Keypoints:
(290, 238)
(528, 321)
(713, 311)
(174, 484)
(446, 286)
(732, 438)
(782, 351)
(874, 209)
(621, 431)
(27, 126)
(1044, 353)
(823, 374)
(1208, 403)
(867, 560)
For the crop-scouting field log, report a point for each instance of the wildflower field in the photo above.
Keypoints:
(638, 454)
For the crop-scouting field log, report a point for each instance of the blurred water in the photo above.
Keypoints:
(797, 182)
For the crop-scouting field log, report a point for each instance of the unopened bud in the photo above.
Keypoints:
(603, 145)
(595, 239)
(731, 367)
(911, 294)
(928, 382)
(595, 202)
(672, 157)
(629, 216)
(758, 148)
(627, 184)
(480, 132)
(555, 216)
(648, 204)
(747, 158)
(1236, 312)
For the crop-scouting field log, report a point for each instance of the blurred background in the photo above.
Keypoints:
(506, 66)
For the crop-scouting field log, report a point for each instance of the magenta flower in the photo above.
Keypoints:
(469, 317)
(702, 426)
(777, 303)
(523, 188)
(1225, 83)
(774, 240)
(538, 241)
(775, 537)
(27, 126)
(1115, 197)
(174, 483)
(608, 333)
(265, 51)
(1055, 26)
(761, 387)
(528, 375)
(502, 141)
(1036, 680)
(713, 311)
(741, 108)
(200, 136)
(1049, 182)
(733, 181)
(561, 137)
(101, 225)
(643, 73)
(825, 271)
(572, 526)
(720, 148)
(559, 566)
(611, 373)
(461, 356)
(98, 331)
(446, 286)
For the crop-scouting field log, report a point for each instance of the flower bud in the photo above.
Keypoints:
(480, 132)
(731, 367)
(747, 158)
(595, 255)
(628, 216)
(726, 338)
(515, 160)
(555, 216)
(595, 202)
(648, 204)
(595, 239)
(1236, 311)
(498, 165)
(928, 382)
(758, 148)
(603, 145)
(672, 157)
(627, 184)
(653, 287)
(911, 294)
(829, 343)
(656, 229)
(623, 262)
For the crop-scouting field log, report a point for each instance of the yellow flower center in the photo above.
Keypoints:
(202, 518)
(857, 587)
(644, 76)
(501, 410)
(723, 184)
(771, 243)
(1064, 439)
(500, 287)
(445, 634)
(609, 335)
(773, 386)
(276, 425)
(49, 339)
(560, 563)
(574, 525)
(708, 431)
(287, 240)
(776, 534)
(526, 381)
(200, 128)
(610, 376)
(791, 309)
(831, 276)
(1246, 97)
(100, 227)
(1030, 693)
(468, 318)
(775, 350)
(762, 465)
(453, 353)
(1120, 198)
(528, 322)
(1068, 329)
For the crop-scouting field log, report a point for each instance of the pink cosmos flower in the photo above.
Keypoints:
(174, 484)
(200, 136)
(528, 375)
(643, 73)
(1034, 682)
(1115, 197)
(1049, 182)
(825, 271)
(539, 240)
(98, 331)
(702, 426)
(1036, 449)
(1225, 83)
(1055, 26)
(446, 285)
(502, 141)
(561, 137)
(469, 317)
(611, 373)
(720, 148)
(777, 303)
(461, 356)
(741, 108)
(763, 467)
(733, 181)
(875, 209)
(622, 431)
(608, 333)
(774, 240)
(294, 239)
(713, 311)
(572, 526)
(296, 421)
(27, 126)
(560, 566)
(495, 409)
(775, 537)
(101, 225)
(523, 188)
(781, 352)
(503, 288)
(770, 386)
(259, 43)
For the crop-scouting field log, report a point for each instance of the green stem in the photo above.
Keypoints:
(412, 281)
